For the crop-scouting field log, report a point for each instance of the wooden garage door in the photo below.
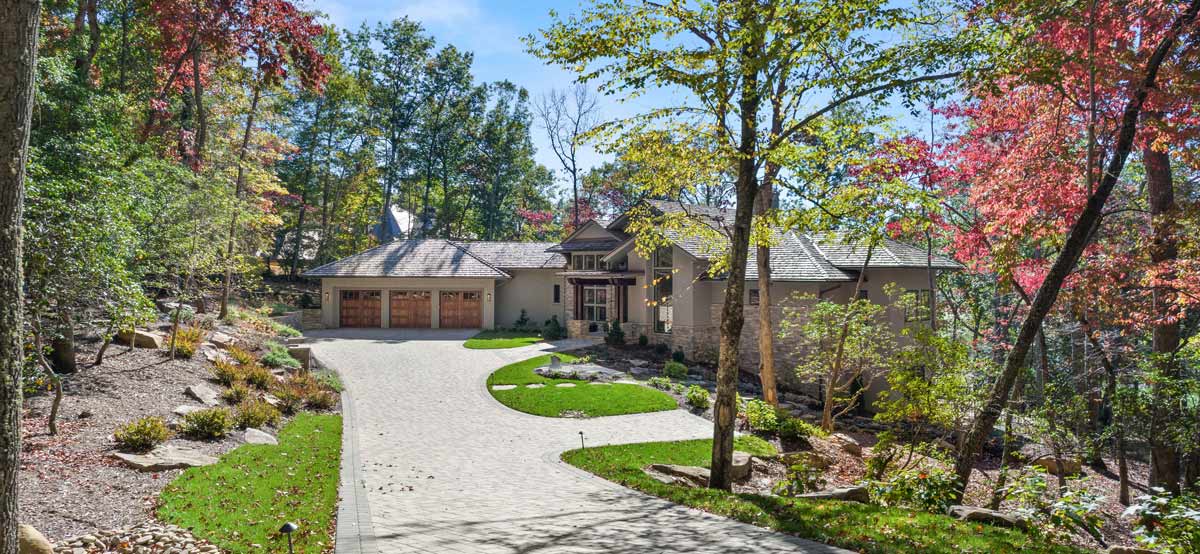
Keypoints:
(461, 310)
(411, 309)
(361, 308)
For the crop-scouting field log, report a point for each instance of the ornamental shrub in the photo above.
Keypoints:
(236, 393)
(698, 397)
(553, 330)
(796, 428)
(321, 400)
(241, 356)
(761, 416)
(801, 477)
(187, 341)
(227, 373)
(643, 340)
(928, 489)
(278, 356)
(661, 349)
(142, 435)
(256, 413)
(675, 370)
(660, 383)
(1169, 523)
(615, 336)
(678, 356)
(212, 423)
(259, 377)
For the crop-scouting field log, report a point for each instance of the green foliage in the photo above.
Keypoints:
(207, 424)
(304, 467)
(227, 373)
(615, 335)
(142, 435)
(796, 428)
(282, 330)
(584, 398)
(522, 322)
(1166, 522)
(761, 416)
(291, 398)
(258, 376)
(643, 340)
(279, 308)
(1074, 509)
(256, 413)
(661, 348)
(521, 373)
(660, 383)
(329, 379)
(242, 356)
(278, 356)
(321, 400)
(801, 477)
(678, 356)
(928, 489)
(553, 330)
(675, 370)
(698, 397)
(236, 393)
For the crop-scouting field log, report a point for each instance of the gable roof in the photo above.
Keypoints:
(411, 258)
(515, 255)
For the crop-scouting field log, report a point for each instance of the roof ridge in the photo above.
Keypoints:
(481, 260)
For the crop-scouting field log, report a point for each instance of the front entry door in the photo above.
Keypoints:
(460, 310)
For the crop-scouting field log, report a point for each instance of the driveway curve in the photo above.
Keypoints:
(435, 464)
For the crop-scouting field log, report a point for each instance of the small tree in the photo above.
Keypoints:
(858, 331)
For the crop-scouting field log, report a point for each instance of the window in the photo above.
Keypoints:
(588, 262)
(753, 297)
(595, 303)
(863, 294)
(918, 310)
(663, 289)
(557, 294)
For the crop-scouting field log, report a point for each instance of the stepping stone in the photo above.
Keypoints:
(599, 383)
(167, 456)
(205, 394)
(256, 436)
(535, 386)
(565, 385)
(627, 382)
(503, 387)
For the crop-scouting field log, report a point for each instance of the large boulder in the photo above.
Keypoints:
(671, 474)
(1039, 455)
(302, 354)
(166, 456)
(221, 339)
(30, 541)
(846, 443)
(205, 394)
(139, 338)
(984, 515)
(850, 494)
(258, 436)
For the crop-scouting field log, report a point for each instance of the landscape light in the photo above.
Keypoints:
(287, 529)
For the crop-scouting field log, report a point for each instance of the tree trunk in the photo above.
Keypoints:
(732, 316)
(198, 92)
(1164, 249)
(18, 58)
(1077, 239)
(62, 346)
(835, 373)
(237, 196)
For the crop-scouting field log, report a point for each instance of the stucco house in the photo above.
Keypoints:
(596, 275)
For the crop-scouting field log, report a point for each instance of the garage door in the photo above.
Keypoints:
(460, 310)
(411, 309)
(361, 308)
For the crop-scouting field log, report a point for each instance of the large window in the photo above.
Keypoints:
(663, 289)
(595, 303)
(587, 262)
(918, 309)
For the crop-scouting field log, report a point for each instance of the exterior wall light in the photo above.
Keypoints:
(489, 298)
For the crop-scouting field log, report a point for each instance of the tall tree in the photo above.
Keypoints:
(567, 117)
(727, 56)
(18, 62)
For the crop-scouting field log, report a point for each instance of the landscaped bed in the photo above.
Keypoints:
(240, 503)
(579, 398)
(862, 527)
(491, 339)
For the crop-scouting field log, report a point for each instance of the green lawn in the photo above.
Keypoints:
(591, 400)
(240, 502)
(861, 527)
(487, 340)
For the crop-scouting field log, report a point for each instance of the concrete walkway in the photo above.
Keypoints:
(437, 465)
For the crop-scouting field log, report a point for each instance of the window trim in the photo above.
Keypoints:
(556, 296)
(599, 307)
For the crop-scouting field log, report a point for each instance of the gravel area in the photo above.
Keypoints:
(69, 484)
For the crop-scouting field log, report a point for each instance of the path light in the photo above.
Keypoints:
(287, 529)
(581, 445)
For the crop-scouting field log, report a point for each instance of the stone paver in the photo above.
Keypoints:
(446, 468)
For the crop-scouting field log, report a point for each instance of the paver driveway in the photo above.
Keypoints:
(446, 468)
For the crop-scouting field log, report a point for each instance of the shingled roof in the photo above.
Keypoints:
(515, 255)
(411, 258)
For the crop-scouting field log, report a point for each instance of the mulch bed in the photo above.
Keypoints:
(70, 484)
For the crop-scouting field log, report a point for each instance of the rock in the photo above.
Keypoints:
(812, 459)
(212, 354)
(293, 341)
(565, 385)
(535, 386)
(301, 353)
(635, 362)
(850, 494)
(84, 414)
(185, 410)
(846, 443)
(671, 474)
(141, 339)
(555, 362)
(984, 515)
(220, 339)
(740, 469)
(30, 541)
(166, 456)
(257, 436)
(271, 399)
(1039, 455)
(503, 387)
(1128, 550)
(205, 394)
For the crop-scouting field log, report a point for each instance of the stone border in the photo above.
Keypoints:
(355, 534)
